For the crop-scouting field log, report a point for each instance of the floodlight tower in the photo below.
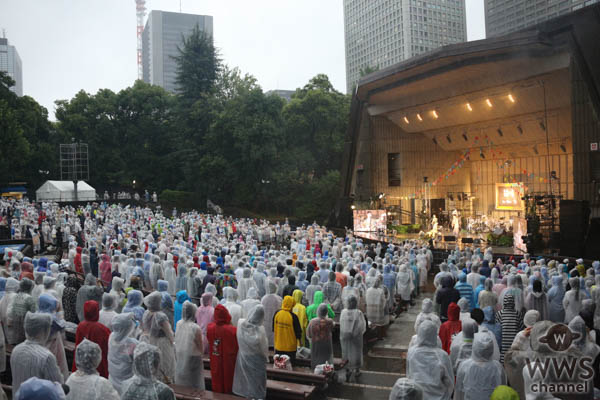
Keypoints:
(140, 12)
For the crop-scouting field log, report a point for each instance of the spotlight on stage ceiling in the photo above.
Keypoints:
(464, 135)
(469, 107)
(520, 129)
(511, 98)
(542, 125)
(434, 114)
(381, 196)
(488, 102)
(406, 120)
(353, 207)
(419, 117)
(448, 139)
(535, 150)
(500, 132)
(563, 148)
(435, 141)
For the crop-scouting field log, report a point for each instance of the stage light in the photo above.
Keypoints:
(563, 148)
(406, 120)
(542, 125)
(511, 98)
(535, 150)
(435, 114)
(488, 102)
(464, 135)
(500, 132)
(381, 195)
(448, 139)
(469, 107)
(520, 129)
(419, 117)
(353, 207)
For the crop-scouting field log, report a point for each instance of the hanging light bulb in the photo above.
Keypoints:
(419, 117)
(488, 102)
(511, 98)
(469, 107)
(406, 120)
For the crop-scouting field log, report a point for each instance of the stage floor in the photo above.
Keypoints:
(440, 245)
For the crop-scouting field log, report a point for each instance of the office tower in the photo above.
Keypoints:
(380, 33)
(162, 35)
(11, 62)
(505, 16)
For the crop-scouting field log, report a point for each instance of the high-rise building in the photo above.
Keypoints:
(380, 33)
(505, 16)
(163, 33)
(11, 62)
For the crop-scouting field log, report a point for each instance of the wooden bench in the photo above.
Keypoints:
(279, 389)
(298, 375)
(188, 393)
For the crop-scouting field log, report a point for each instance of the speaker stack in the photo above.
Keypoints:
(592, 240)
(574, 221)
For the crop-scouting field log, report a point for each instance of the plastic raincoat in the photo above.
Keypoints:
(556, 294)
(144, 385)
(223, 349)
(157, 331)
(271, 302)
(48, 304)
(89, 291)
(427, 314)
(85, 383)
(406, 389)
(189, 349)
(311, 311)
(93, 330)
(333, 293)
(120, 351)
(204, 316)
(572, 300)
(319, 332)
(250, 302)
(235, 310)
(21, 304)
(376, 303)
(300, 311)
(250, 378)
(245, 284)
(134, 304)
(116, 290)
(166, 303)
(511, 322)
(108, 309)
(352, 329)
(429, 366)
(311, 289)
(461, 348)
(450, 327)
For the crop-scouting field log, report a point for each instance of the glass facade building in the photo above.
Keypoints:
(10, 62)
(505, 16)
(162, 35)
(380, 33)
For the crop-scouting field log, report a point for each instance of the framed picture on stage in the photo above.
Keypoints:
(508, 196)
(369, 220)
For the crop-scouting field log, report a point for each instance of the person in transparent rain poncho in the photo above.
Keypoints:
(120, 350)
(462, 343)
(427, 314)
(204, 316)
(116, 290)
(32, 358)
(22, 303)
(406, 389)
(109, 305)
(250, 377)
(319, 332)
(235, 310)
(85, 383)
(430, 366)
(157, 331)
(89, 291)
(251, 301)
(311, 289)
(144, 385)
(189, 349)
(134, 304)
(48, 304)
(352, 328)
(479, 375)
(38, 389)
(271, 303)
(573, 299)
(166, 304)
(376, 303)
(245, 284)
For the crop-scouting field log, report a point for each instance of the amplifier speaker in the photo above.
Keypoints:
(466, 240)
(449, 238)
(592, 242)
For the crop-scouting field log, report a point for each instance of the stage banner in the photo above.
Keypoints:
(369, 220)
(508, 196)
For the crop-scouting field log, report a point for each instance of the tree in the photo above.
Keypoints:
(366, 70)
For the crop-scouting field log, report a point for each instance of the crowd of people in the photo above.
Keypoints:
(151, 297)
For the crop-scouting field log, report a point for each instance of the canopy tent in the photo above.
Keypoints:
(64, 191)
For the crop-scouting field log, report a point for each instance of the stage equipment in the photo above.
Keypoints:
(508, 196)
(369, 220)
(449, 238)
(467, 240)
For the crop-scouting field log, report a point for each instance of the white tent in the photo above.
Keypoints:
(64, 191)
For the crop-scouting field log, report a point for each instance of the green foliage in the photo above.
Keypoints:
(368, 69)
(405, 229)
(502, 240)
(181, 200)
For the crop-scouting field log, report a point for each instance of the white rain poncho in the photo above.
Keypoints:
(181, 281)
(116, 290)
(250, 302)
(332, 291)
(371, 276)
(22, 303)
(260, 279)
(189, 349)
(120, 350)
(376, 303)
(38, 389)
(406, 389)
(429, 366)
(171, 277)
(49, 305)
(427, 314)
(250, 377)
(583, 343)
(32, 358)
(404, 283)
(89, 291)
(157, 331)
(352, 328)
(108, 309)
(144, 385)
(556, 294)
(245, 284)
(319, 331)
(572, 300)
(478, 376)
(230, 296)
(487, 297)
(349, 290)
(596, 299)
(311, 289)
(271, 303)
(461, 348)
(86, 383)
(156, 272)
(10, 291)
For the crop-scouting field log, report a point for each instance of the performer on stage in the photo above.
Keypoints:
(434, 224)
(455, 223)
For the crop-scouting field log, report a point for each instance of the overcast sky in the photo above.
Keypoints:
(69, 45)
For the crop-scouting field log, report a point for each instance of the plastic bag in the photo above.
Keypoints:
(323, 369)
(282, 361)
(303, 353)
